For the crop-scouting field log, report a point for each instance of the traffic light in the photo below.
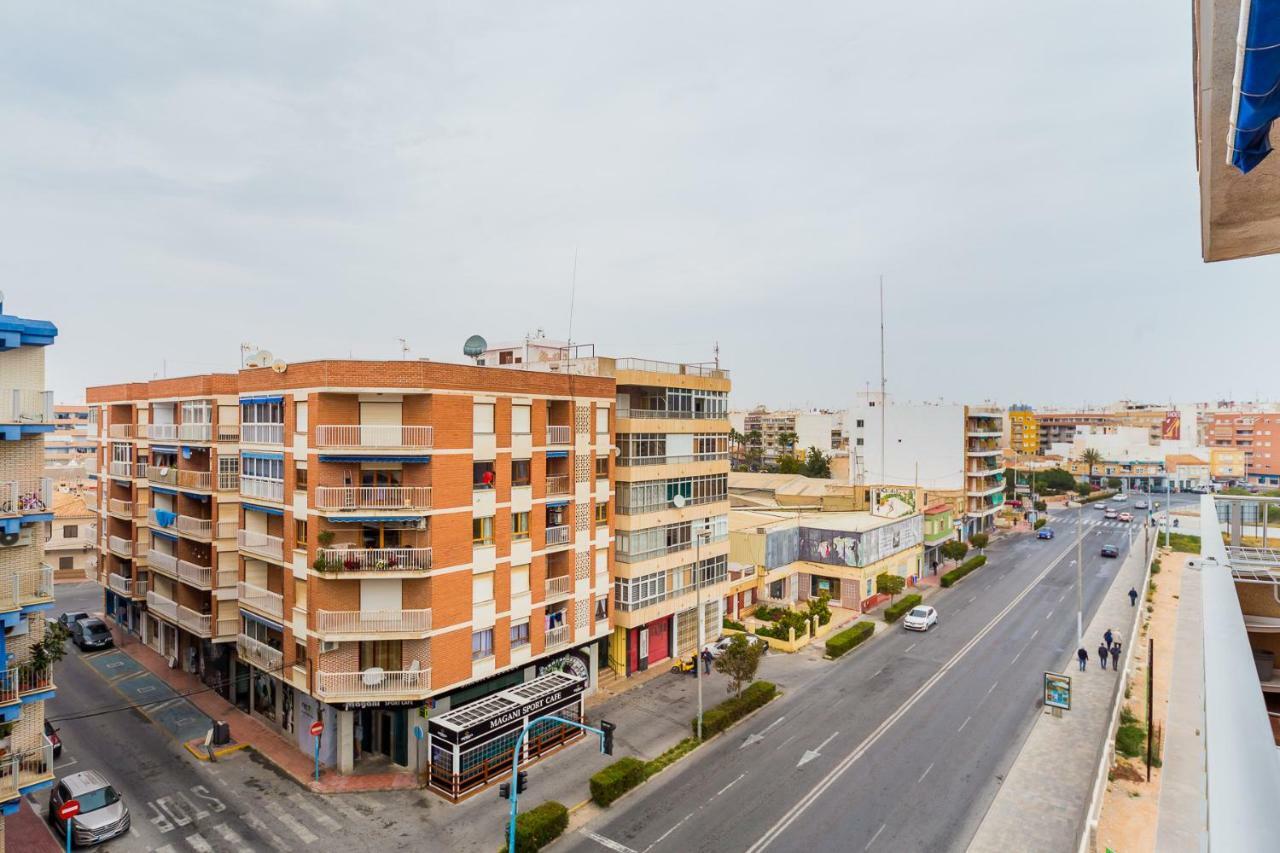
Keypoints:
(504, 790)
(522, 781)
(606, 742)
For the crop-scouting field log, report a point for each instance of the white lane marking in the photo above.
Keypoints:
(198, 843)
(839, 770)
(992, 687)
(909, 648)
(663, 836)
(874, 837)
(785, 742)
(319, 814)
(924, 774)
(290, 822)
(1064, 595)
(608, 842)
(260, 825)
(965, 723)
(1048, 616)
(168, 848)
(810, 754)
(230, 836)
(727, 787)
(1033, 635)
(67, 763)
(756, 737)
(972, 599)
(877, 672)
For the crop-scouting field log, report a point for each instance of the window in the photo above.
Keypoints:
(520, 419)
(520, 634)
(381, 653)
(482, 588)
(519, 579)
(299, 478)
(602, 513)
(300, 655)
(602, 609)
(482, 475)
(482, 644)
(602, 467)
(859, 423)
(66, 562)
(859, 441)
(482, 531)
(520, 472)
(482, 418)
(300, 417)
(300, 593)
(602, 419)
(70, 531)
(520, 525)
(300, 534)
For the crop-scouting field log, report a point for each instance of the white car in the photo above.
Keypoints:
(719, 646)
(1120, 498)
(920, 618)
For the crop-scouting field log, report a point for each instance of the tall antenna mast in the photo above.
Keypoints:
(884, 438)
(573, 293)
(404, 348)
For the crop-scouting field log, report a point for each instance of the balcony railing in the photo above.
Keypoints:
(374, 436)
(648, 366)
(260, 543)
(32, 586)
(122, 431)
(158, 604)
(673, 414)
(226, 528)
(373, 622)
(262, 433)
(373, 497)
(115, 506)
(267, 490)
(195, 432)
(34, 680)
(558, 485)
(559, 434)
(18, 770)
(120, 583)
(200, 624)
(8, 685)
(201, 480)
(259, 653)
(195, 528)
(374, 560)
(658, 506)
(371, 684)
(161, 432)
(195, 575)
(228, 432)
(120, 546)
(623, 556)
(225, 579)
(166, 564)
(123, 469)
(556, 637)
(561, 585)
(229, 481)
(19, 496)
(558, 535)
(19, 406)
(251, 595)
(633, 461)
(165, 475)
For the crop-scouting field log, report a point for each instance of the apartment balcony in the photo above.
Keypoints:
(200, 481)
(259, 653)
(673, 414)
(120, 584)
(126, 469)
(982, 448)
(162, 475)
(983, 432)
(373, 685)
(26, 587)
(353, 498)
(123, 432)
(200, 624)
(262, 600)
(20, 406)
(261, 544)
(201, 577)
(558, 485)
(228, 432)
(194, 528)
(560, 586)
(26, 496)
(358, 437)
(558, 535)
(559, 435)
(8, 685)
(120, 509)
(229, 481)
(980, 490)
(645, 365)
(372, 624)
(635, 461)
(165, 564)
(374, 561)
(262, 433)
(161, 606)
(122, 547)
(195, 432)
(160, 432)
(24, 769)
(262, 489)
(555, 637)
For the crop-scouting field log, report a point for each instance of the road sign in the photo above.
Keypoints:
(1057, 691)
(69, 809)
(316, 728)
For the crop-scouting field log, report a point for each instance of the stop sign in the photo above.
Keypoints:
(316, 728)
(69, 809)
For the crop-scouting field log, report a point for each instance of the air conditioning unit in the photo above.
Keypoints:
(11, 540)
(328, 646)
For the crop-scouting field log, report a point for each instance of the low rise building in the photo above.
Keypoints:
(1227, 465)
(1187, 472)
(1257, 436)
(72, 546)
(771, 434)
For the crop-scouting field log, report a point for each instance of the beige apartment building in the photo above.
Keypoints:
(72, 544)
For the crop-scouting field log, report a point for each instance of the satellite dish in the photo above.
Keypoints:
(475, 346)
(261, 358)
(279, 365)
(678, 501)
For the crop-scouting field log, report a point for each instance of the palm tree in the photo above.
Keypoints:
(787, 441)
(1091, 457)
(755, 452)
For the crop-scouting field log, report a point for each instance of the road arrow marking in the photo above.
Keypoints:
(753, 739)
(810, 754)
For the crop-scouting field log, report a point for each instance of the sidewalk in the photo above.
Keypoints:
(27, 831)
(1180, 822)
(1044, 800)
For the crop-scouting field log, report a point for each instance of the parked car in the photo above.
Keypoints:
(103, 814)
(1110, 551)
(1120, 498)
(718, 647)
(1141, 505)
(52, 734)
(920, 618)
(66, 620)
(1110, 513)
(1044, 533)
(1100, 505)
(91, 633)
(1125, 516)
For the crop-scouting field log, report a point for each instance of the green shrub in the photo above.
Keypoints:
(951, 577)
(849, 638)
(1130, 740)
(1040, 506)
(819, 607)
(1155, 567)
(671, 756)
(539, 826)
(1126, 716)
(734, 626)
(1184, 542)
(616, 779)
(894, 612)
(1040, 522)
(730, 711)
(779, 629)
(770, 614)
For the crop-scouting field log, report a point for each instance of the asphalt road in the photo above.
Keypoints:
(900, 746)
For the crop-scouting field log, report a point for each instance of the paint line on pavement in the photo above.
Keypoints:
(909, 648)
(1033, 634)
(972, 599)
(664, 835)
(992, 687)
(321, 817)
(874, 837)
(230, 836)
(785, 742)
(730, 785)
(198, 843)
(607, 842)
(1048, 616)
(261, 827)
(290, 822)
(877, 672)
(962, 725)
(924, 774)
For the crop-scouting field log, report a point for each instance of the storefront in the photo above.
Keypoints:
(648, 645)
(472, 746)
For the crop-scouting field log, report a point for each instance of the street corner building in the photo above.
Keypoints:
(26, 582)
(370, 544)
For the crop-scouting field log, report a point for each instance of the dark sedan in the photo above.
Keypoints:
(1110, 551)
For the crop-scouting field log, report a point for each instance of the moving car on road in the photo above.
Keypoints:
(91, 634)
(1110, 551)
(66, 620)
(103, 814)
(1044, 533)
(1125, 516)
(1120, 498)
(1100, 505)
(1110, 513)
(920, 618)
(1141, 505)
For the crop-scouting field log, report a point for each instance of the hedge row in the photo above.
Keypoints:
(730, 711)
(950, 578)
(894, 612)
(1100, 495)
(849, 638)
(1040, 522)
(539, 826)
(616, 779)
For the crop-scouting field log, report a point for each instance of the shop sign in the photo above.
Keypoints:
(509, 720)
(573, 662)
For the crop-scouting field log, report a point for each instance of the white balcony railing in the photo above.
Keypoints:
(196, 528)
(19, 769)
(260, 543)
(166, 564)
(374, 560)
(200, 624)
(120, 546)
(556, 636)
(373, 497)
(226, 528)
(195, 575)
(228, 432)
(373, 622)
(165, 475)
(256, 487)
(251, 595)
(262, 433)
(374, 435)
(19, 406)
(29, 586)
(195, 432)
(115, 506)
(259, 653)
(120, 469)
(229, 481)
(120, 584)
(559, 585)
(201, 480)
(122, 431)
(226, 579)
(161, 606)
(559, 435)
(23, 496)
(160, 432)
(558, 535)
(372, 684)
(557, 485)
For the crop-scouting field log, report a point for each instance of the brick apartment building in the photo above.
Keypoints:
(1257, 435)
(358, 542)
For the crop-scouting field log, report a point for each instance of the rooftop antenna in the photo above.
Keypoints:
(716, 349)
(573, 294)
(245, 349)
(404, 348)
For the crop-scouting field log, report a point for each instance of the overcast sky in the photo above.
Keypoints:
(321, 179)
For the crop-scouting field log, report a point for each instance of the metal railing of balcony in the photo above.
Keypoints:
(558, 535)
(197, 528)
(226, 529)
(633, 461)
(649, 366)
(673, 414)
(259, 653)
(558, 485)
(373, 621)
(32, 679)
(162, 562)
(115, 506)
(373, 497)
(254, 596)
(8, 685)
(556, 636)
(658, 506)
(557, 434)
(263, 489)
(260, 543)
(20, 406)
(195, 622)
(195, 432)
(641, 556)
(561, 585)
(120, 546)
(33, 585)
(201, 480)
(34, 495)
(374, 560)
(195, 575)
(372, 683)
(228, 432)
(160, 432)
(20, 769)
(229, 481)
(166, 607)
(122, 431)
(165, 475)
(120, 469)
(120, 583)
(373, 436)
(262, 433)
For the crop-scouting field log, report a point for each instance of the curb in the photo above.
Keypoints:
(194, 747)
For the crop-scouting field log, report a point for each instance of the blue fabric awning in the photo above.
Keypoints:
(1258, 69)
(269, 510)
(253, 617)
(557, 454)
(257, 455)
(196, 497)
(374, 457)
(164, 448)
(366, 519)
(173, 492)
(163, 535)
(269, 399)
(557, 503)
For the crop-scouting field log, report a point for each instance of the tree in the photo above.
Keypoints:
(1114, 483)
(890, 584)
(755, 449)
(1083, 489)
(1091, 457)
(816, 464)
(787, 441)
(740, 662)
(954, 549)
(737, 442)
(979, 541)
(790, 465)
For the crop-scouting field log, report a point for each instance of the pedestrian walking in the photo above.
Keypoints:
(1083, 657)
(1106, 638)
(1133, 597)
(707, 657)
(1115, 657)
(1102, 655)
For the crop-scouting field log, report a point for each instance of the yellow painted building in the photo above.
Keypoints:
(1227, 463)
(1024, 432)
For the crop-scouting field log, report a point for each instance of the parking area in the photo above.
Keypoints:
(176, 715)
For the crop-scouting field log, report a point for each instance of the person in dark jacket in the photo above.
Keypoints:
(707, 657)
(1083, 657)
(1107, 637)
(1102, 655)
(1133, 597)
(1115, 656)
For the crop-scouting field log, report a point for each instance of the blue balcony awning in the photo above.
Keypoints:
(557, 454)
(1257, 101)
(375, 457)
(253, 617)
(269, 510)
(164, 535)
(196, 497)
(558, 503)
(164, 448)
(161, 491)
(247, 454)
(248, 401)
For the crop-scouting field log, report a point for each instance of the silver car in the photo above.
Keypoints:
(103, 814)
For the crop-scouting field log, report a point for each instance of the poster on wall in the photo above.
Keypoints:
(845, 548)
(1171, 430)
(893, 503)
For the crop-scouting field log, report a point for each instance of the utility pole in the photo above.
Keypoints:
(1151, 674)
(1168, 512)
(884, 439)
(1080, 576)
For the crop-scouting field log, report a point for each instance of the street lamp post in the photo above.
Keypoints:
(1080, 576)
